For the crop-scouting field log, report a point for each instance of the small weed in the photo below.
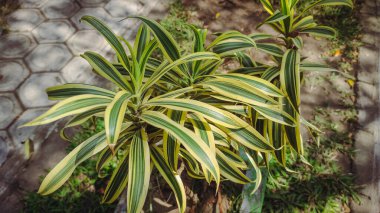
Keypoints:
(177, 24)
(6, 7)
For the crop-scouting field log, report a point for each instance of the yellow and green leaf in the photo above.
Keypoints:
(71, 106)
(114, 116)
(199, 150)
(139, 171)
(173, 179)
(63, 170)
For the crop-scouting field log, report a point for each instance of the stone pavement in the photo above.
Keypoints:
(42, 50)
(367, 145)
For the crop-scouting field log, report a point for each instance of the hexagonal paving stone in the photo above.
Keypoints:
(98, 12)
(36, 133)
(92, 3)
(122, 8)
(84, 40)
(48, 57)
(9, 109)
(16, 45)
(60, 8)
(32, 92)
(12, 73)
(53, 31)
(24, 19)
(5, 143)
(78, 71)
(32, 3)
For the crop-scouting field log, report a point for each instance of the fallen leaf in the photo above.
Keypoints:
(350, 82)
(217, 15)
(337, 53)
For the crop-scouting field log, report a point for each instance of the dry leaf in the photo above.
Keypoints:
(217, 15)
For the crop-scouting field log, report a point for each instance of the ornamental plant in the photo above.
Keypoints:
(181, 110)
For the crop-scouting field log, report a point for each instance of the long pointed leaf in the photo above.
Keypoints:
(174, 180)
(63, 170)
(114, 116)
(188, 139)
(139, 172)
(71, 106)
(69, 90)
(106, 69)
(110, 37)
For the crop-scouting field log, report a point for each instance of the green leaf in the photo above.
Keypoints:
(276, 115)
(145, 59)
(69, 90)
(260, 36)
(230, 171)
(298, 42)
(277, 138)
(211, 113)
(293, 134)
(165, 40)
(174, 180)
(249, 137)
(83, 117)
(267, 6)
(114, 116)
(305, 22)
(226, 48)
(231, 36)
(271, 73)
(250, 70)
(264, 86)
(199, 38)
(290, 76)
(322, 31)
(237, 109)
(107, 153)
(106, 69)
(192, 163)
(245, 60)
(191, 57)
(142, 41)
(118, 181)
(316, 67)
(232, 158)
(199, 150)
(198, 45)
(347, 3)
(275, 17)
(71, 106)
(239, 91)
(170, 144)
(203, 130)
(271, 49)
(110, 37)
(139, 171)
(63, 170)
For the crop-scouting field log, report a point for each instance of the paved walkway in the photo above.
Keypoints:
(42, 50)
(367, 160)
